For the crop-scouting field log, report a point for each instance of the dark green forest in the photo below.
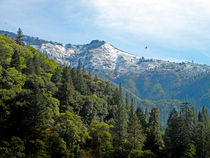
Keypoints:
(52, 111)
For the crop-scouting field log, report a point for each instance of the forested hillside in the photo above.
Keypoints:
(55, 111)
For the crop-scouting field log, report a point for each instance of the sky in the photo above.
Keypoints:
(174, 30)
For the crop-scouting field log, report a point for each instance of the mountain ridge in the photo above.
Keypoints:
(151, 79)
(115, 62)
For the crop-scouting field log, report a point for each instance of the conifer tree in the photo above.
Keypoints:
(56, 77)
(79, 80)
(96, 78)
(142, 119)
(202, 134)
(127, 101)
(15, 61)
(201, 140)
(188, 117)
(120, 127)
(154, 141)
(135, 136)
(146, 114)
(79, 67)
(66, 91)
(20, 39)
(36, 64)
(172, 134)
(29, 66)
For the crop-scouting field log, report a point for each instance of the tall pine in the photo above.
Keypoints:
(154, 141)
(66, 91)
(142, 118)
(15, 61)
(120, 128)
(135, 136)
(20, 39)
(172, 134)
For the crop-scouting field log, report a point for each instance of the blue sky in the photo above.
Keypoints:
(172, 30)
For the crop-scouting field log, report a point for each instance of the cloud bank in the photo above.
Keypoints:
(160, 19)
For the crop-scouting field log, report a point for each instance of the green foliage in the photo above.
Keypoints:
(142, 119)
(120, 126)
(37, 148)
(154, 141)
(66, 91)
(101, 139)
(15, 61)
(20, 39)
(13, 149)
(5, 52)
(189, 152)
(135, 136)
(141, 154)
(71, 129)
(94, 108)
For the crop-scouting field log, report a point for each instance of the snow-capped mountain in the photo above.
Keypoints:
(148, 78)
(105, 59)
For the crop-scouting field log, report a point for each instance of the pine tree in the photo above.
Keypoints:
(120, 90)
(172, 134)
(79, 80)
(56, 77)
(79, 67)
(66, 91)
(146, 114)
(142, 119)
(154, 141)
(15, 61)
(20, 39)
(127, 101)
(36, 64)
(201, 139)
(188, 117)
(120, 127)
(29, 66)
(135, 136)
(202, 134)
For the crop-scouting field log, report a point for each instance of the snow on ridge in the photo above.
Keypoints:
(104, 58)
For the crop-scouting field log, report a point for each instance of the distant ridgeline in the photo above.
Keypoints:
(55, 111)
(150, 79)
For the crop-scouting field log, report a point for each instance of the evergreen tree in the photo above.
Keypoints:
(188, 117)
(57, 76)
(101, 139)
(146, 114)
(20, 39)
(135, 136)
(66, 91)
(201, 140)
(79, 67)
(79, 80)
(36, 64)
(120, 90)
(141, 118)
(15, 61)
(96, 78)
(120, 127)
(202, 134)
(172, 134)
(29, 66)
(154, 141)
(127, 101)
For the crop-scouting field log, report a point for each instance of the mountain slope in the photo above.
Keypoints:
(147, 78)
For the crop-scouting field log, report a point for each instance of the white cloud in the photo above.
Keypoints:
(159, 19)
